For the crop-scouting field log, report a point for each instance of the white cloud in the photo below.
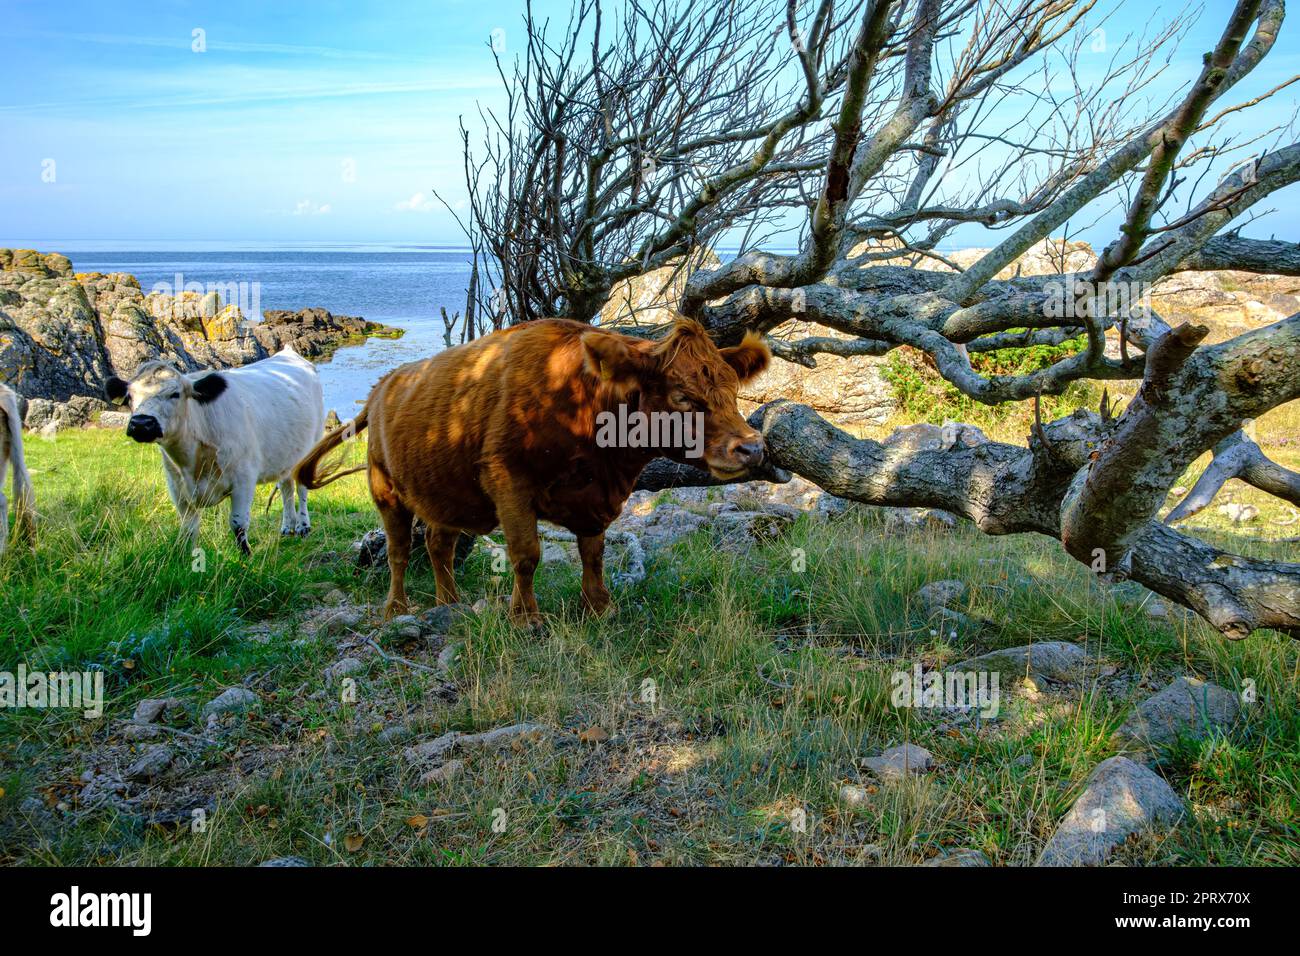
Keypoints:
(306, 207)
(419, 202)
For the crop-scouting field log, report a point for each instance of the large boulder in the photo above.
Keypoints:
(1120, 799)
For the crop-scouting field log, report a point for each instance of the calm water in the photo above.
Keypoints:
(399, 286)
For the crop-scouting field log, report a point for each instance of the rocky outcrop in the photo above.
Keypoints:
(62, 334)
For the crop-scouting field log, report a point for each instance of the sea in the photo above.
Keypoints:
(402, 286)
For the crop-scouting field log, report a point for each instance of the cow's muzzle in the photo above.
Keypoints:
(143, 428)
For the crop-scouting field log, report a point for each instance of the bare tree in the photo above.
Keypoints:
(880, 126)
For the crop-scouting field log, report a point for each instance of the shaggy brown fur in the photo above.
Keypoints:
(503, 431)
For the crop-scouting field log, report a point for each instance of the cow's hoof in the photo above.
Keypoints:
(304, 531)
(287, 532)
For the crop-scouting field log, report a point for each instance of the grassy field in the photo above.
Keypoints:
(770, 682)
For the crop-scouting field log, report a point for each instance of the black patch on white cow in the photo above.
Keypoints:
(208, 388)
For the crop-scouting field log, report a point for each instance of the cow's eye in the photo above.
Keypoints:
(174, 395)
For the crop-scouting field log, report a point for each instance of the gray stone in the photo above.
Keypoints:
(147, 711)
(447, 657)
(1188, 707)
(897, 762)
(940, 594)
(285, 861)
(151, 763)
(755, 525)
(444, 774)
(234, 700)
(1120, 798)
(851, 795)
(342, 668)
(960, 858)
(406, 626)
(1053, 660)
(441, 619)
(487, 740)
(341, 621)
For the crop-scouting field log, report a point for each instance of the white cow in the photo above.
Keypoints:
(224, 433)
(11, 452)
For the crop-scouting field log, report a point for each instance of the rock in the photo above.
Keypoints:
(1053, 660)
(1188, 707)
(1119, 799)
(394, 734)
(371, 551)
(147, 711)
(897, 762)
(651, 298)
(940, 594)
(845, 390)
(447, 657)
(340, 621)
(444, 774)
(754, 525)
(555, 553)
(151, 763)
(662, 528)
(624, 559)
(960, 858)
(488, 740)
(441, 619)
(234, 700)
(434, 749)
(285, 861)
(406, 626)
(115, 420)
(1238, 513)
(851, 795)
(342, 668)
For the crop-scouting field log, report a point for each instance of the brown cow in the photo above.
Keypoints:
(504, 431)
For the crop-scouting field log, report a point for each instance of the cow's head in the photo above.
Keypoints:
(159, 396)
(685, 373)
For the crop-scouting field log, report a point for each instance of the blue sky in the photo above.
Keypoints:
(311, 123)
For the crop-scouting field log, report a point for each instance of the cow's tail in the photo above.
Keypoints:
(310, 475)
(24, 497)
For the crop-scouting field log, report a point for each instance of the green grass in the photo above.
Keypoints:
(769, 686)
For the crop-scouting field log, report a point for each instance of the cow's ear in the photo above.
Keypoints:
(208, 388)
(115, 389)
(614, 359)
(751, 357)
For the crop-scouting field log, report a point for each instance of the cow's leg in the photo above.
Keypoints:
(595, 596)
(185, 508)
(189, 516)
(242, 491)
(519, 523)
(289, 520)
(397, 520)
(441, 543)
(304, 519)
